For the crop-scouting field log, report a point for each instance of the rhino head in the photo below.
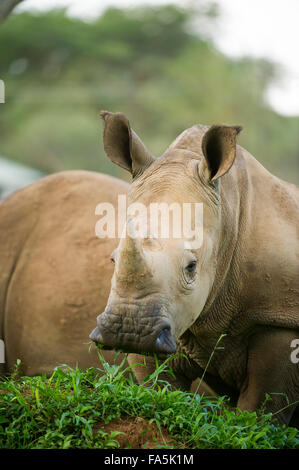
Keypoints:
(161, 285)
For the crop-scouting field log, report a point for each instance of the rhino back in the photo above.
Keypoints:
(17, 218)
(59, 278)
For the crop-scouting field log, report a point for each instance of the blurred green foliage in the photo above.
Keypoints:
(150, 63)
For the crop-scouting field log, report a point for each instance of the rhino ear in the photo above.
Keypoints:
(219, 150)
(123, 146)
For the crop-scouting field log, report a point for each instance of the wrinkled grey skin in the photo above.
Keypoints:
(242, 281)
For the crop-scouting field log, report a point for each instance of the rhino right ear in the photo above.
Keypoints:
(123, 146)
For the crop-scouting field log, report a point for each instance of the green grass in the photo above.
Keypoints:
(61, 411)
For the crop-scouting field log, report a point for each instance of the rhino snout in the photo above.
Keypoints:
(158, 340)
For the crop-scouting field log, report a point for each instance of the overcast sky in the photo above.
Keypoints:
(261, 28)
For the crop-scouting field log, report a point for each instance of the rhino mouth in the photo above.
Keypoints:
(161, 342)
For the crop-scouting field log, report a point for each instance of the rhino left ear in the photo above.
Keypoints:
(219, 150)
(123, 146)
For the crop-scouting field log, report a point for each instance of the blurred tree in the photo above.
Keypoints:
(6, 7)
(154, 64)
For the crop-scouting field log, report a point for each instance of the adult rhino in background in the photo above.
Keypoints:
(242, 281)
(55, 272)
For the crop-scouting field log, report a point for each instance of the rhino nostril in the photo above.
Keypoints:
(165, 342)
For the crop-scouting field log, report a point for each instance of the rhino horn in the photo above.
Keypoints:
(133, 262)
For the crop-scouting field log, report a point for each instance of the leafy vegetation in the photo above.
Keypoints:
(70, 408)
(154, 64)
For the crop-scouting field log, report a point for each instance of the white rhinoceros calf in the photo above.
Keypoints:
(169, 293)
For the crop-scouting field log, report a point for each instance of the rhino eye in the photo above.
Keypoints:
(191, 267)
